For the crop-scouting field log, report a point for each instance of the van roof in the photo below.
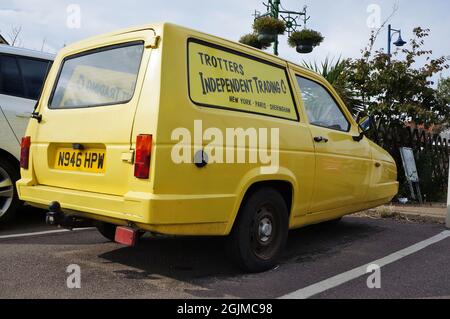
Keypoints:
(26, 52)
(160, 26)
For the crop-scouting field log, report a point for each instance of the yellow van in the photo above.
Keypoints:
(172, 131)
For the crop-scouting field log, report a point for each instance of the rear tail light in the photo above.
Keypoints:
(25, 152)
(143, 155)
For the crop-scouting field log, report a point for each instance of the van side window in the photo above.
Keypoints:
(321, 108)
(10, 79)
(33, 73)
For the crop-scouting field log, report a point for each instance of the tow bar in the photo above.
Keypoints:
(56, 217)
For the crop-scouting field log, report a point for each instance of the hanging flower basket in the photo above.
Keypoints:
(305, 41)
(252, 40)
(304, 48)
(267, 29)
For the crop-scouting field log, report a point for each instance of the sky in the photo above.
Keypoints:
(346, 24)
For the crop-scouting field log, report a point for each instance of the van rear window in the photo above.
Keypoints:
(96, 78)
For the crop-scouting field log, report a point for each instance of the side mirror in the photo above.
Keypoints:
(359, 137)
(365, 124)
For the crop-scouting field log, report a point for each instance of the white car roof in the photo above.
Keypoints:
(26, 52)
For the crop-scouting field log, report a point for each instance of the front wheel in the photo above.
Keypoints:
(9, 200)
(260, 231)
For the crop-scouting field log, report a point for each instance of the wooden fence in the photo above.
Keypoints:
(431, 152)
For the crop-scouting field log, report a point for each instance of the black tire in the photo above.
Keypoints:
(107, 230)
(255, 246)
(9, 200)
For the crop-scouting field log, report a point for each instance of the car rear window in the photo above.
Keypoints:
(22, 76)
(101, 77)
(33, 73)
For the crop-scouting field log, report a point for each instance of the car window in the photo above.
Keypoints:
(321, 108)
(10, 79)
(33, 73)
(103, 77)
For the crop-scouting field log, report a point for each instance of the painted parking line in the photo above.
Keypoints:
(42, 233)
(340, 279)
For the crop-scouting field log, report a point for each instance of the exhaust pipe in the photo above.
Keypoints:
(56, 217)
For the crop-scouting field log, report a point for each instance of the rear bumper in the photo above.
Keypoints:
(197, 215)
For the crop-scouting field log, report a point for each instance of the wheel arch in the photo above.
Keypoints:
(284, 185)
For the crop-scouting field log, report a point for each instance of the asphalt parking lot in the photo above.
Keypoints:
(320, 262)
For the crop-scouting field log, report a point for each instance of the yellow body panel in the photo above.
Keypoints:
(327, 181)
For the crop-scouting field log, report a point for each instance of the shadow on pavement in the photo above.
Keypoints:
(194, 259)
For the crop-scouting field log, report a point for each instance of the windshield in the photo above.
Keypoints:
(103, 77)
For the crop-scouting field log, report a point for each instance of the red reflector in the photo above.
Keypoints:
(25, 152)
(126, 236)
(143, 155)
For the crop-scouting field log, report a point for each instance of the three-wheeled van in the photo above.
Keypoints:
(168, 130)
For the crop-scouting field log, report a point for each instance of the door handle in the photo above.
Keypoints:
(320, 139)
(25, 115)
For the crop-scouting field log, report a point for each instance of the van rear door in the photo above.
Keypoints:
(83, 141)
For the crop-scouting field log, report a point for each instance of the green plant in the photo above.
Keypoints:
(335, 72)
(443, 98)
(329, 69)
(305, 37)
(400, 89)
(269, 25)
(251, 39)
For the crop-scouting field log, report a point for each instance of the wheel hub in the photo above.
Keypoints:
(265, 230)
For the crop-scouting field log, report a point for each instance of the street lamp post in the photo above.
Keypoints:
(398, 43)
(289, 17)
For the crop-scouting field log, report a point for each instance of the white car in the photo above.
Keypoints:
(22, 74)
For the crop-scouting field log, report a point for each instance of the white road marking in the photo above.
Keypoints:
(340, 279)
(41, 233)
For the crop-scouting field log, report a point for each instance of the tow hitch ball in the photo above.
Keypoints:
(56, 217)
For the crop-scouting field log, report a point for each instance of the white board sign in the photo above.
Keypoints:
(409, 164)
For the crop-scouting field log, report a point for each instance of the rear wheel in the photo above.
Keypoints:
(260, 231)
(107, 230)
(9, 200)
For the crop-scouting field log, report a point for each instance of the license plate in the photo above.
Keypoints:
(92, 160)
